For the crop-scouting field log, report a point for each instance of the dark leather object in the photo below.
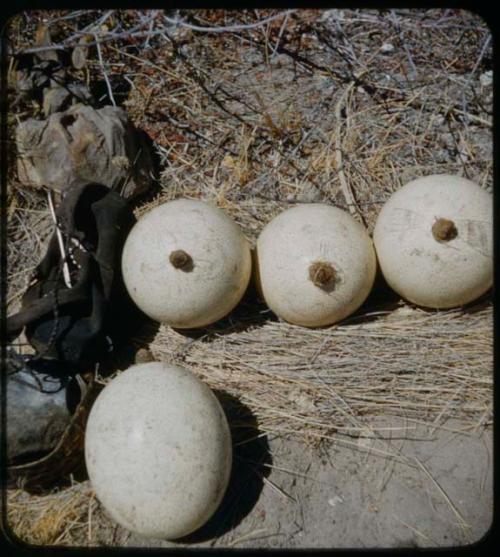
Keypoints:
(37, 414)
(59, 453)
(71, 325)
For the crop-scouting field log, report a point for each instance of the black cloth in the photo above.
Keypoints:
(73, 325)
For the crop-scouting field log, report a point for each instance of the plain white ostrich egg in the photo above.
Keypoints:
(158, 450)
(433, 239)
(186, 263)
(316, 264)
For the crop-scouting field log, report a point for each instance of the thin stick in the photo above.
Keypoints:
(445, 407)
(89, 515)
(101, 62)
(464, 525)
(344, 185)
(283, 25)
(278, 489)
(405, 46)
(73, 41)
(247, 537)
(66, 275)
(229, 28)
(479, 59)
(99, 22)
(413, 529)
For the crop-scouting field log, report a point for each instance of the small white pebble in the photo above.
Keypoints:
(335, 500)
(486, 78)
(386, 48)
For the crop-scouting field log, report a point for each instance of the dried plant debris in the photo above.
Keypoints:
(317, 382)
(334, 106)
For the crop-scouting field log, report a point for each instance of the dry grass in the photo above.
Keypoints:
(254, 122)
(429, 366)
(40, 520)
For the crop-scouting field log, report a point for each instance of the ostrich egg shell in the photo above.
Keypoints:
(425, 271)
(158, 450)
(206, 291)
(295, 240)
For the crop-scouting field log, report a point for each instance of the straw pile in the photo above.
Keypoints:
(425, 366)
(308, 108)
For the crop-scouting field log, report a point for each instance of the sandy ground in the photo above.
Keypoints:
(353, 497)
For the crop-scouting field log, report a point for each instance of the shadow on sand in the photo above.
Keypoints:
(251, 463)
